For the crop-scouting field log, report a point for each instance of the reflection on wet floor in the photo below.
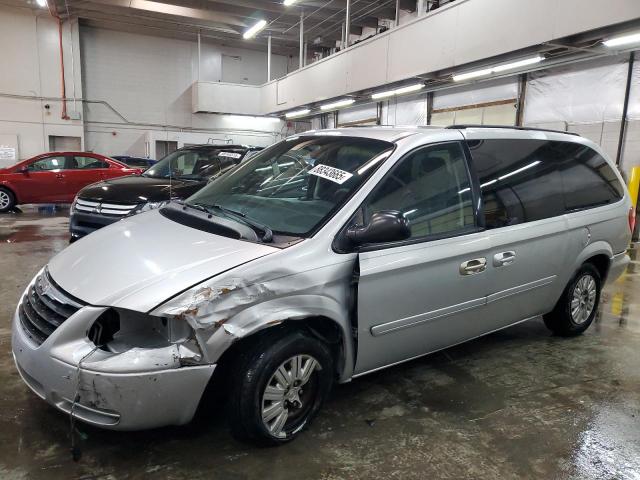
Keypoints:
(34, 223)
(519, 403)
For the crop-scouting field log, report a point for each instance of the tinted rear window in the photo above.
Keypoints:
(587, 178)
(527, 180)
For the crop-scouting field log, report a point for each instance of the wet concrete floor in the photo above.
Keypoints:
(519, 403)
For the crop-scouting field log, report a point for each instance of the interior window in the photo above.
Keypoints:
(86, 163)
(431, 188)
(519, 180)
(48, 163)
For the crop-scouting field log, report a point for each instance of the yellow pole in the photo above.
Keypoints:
(634, 185)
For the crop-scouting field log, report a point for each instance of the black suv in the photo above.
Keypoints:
(178, 175)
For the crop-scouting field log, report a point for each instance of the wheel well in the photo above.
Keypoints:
(322, 328)
(15, 197)
(601, 262)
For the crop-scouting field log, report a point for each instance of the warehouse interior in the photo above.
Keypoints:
(142, 79)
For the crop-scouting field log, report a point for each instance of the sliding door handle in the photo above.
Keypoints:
(504, 258)
(471, 267)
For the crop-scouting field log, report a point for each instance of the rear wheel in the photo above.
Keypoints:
(7, 199)
(577, 307)
(278, 385)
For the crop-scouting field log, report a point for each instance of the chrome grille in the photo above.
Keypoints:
(44, 307)
(104, 208)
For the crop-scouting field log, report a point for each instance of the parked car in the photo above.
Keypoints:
(137, 162)
(268, 289)
(55, 177)
(178, 175)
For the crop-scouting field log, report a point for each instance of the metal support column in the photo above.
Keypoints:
(522, 96)
(301, 53)
(347, 24)
(199, 55)
(625, 109)
(420, 7)
(269, 58)
(397, 20)
(429, 107)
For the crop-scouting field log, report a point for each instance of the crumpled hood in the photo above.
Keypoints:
(139, 262)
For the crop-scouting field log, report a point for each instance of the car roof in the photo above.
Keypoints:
(393, 133)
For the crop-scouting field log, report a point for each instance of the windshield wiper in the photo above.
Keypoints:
(266, 234)
(257, 226)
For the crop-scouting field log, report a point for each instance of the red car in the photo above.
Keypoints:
(56, 177)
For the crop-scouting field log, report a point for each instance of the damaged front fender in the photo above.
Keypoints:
(228, 308)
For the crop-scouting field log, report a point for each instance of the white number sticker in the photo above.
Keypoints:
(330, 173)
(230, 154)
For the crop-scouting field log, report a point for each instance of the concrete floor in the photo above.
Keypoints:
(515, 404)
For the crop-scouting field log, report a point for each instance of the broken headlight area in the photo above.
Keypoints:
(127, 335)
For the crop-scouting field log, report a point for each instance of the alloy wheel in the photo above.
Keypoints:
(5, 201)
(583, 300)
(289, 394)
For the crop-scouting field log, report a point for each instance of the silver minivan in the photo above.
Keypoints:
(327, 256)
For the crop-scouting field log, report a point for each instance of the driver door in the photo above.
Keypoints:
(43, 181)
(428, 292)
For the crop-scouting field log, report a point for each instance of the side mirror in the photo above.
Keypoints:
(385, 226)
(24, 170)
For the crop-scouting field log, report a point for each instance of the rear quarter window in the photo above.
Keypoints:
(587, 179)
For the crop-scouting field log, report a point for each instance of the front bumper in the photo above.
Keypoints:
(81, 224)
(145, 395)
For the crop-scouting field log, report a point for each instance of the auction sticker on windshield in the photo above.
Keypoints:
(230, 154)
(330, 173)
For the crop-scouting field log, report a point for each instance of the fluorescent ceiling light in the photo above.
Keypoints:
(289, 2)
(386, 93)
(409, 88)
(526, 167)
(518, 64)
(468, 75)
(338, 104)
(624, 40)
(255, 29)
(490, 182)
(297, 113)
(497, 69)
(398, 91)
(42, 3)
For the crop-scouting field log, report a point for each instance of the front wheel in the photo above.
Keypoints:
(7, 200)
(278, 386)
(578, 304)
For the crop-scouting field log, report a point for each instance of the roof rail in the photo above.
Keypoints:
(511, 127)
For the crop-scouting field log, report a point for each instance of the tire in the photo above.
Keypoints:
(7, 200)
(260, 366)
(578, 304)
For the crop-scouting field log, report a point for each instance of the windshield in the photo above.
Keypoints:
(195, 163)
(293, 186)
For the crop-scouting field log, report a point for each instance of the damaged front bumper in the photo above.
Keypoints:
(134, 390)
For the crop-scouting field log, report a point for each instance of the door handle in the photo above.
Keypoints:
(504, 258)
(59, 175)
(471, 267)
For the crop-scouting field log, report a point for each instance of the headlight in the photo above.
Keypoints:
(119, 330)
(149, 206)
(73, 204)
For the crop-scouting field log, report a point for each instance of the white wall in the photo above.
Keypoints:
(148, 80)
(30, 70)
